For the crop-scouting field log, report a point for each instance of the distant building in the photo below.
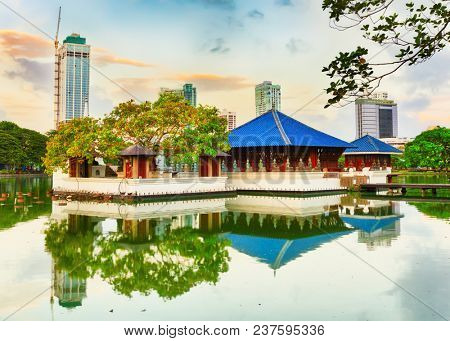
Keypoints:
(72, 79)
(267, 97)
(397, 142)
(376, 116)
(188, 92)
(178, 92)
(230, 117)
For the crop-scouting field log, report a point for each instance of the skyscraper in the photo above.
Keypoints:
(188, 92)
(377, 116)
(267, 97)
(230, 117)
(72, 79)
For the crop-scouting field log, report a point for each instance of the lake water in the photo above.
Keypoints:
(334, 257)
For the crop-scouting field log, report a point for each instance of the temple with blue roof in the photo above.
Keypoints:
(275, 140)
(368, 151)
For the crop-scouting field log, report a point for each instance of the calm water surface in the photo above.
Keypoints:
(334, 257)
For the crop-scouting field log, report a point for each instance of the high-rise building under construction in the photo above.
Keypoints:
(71, 79)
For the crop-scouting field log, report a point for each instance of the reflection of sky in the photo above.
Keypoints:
(327, 283)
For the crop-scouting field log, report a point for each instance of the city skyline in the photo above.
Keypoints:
(237, 52)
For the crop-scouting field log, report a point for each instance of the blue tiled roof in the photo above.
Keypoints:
(278, 252)
(276, 129)
(370, 224)
(369, 144)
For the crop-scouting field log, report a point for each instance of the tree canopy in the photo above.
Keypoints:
(430, 149)
(169, 124)
(415, 31)
(21, 147)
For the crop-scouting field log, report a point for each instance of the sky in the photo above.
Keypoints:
(223, 47)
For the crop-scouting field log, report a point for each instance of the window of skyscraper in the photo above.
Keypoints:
(386, 123)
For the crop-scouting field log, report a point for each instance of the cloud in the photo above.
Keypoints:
(20, 44)
(296, 45)
(24, 45)
(234, 23)
(137, 88)
(38, 74)
(416, 104)
(284, 3)
(433, 75)
(27, 108)
(225, 4)
(221, 4)
(212, 82)
(255, 14)
(216, 46)
(104, 57)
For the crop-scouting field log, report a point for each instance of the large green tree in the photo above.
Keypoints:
(170, 124)
(413, 30)
(430, 149)
(11, 152)
(21, 147)
(84, 137)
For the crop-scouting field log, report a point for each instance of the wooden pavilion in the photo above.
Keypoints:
(369, 152)
(211, 165)
(138, 162)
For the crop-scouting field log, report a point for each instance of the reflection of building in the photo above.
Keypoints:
(69, 290)
(230, 117)
(376, 116)
(267, 97)
(378, 221)
(72, 79)
(277, 231)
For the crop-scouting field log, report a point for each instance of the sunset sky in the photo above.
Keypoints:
(224, 47)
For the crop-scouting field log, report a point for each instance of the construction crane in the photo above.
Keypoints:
(56, 101)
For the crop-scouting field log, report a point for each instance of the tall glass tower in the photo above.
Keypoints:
(190, 94)
(72, 79)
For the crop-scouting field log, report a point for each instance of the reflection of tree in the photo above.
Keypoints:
(71, 244)
(438, 210)
(170, 266)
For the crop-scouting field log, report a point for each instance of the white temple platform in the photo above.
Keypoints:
(293, 182)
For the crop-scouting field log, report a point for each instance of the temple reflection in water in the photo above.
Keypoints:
(377, 221)
(167, 248)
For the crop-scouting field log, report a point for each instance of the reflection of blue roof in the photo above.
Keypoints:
(369, 144)
(278, 252)
(277, 129)
(370, 224)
